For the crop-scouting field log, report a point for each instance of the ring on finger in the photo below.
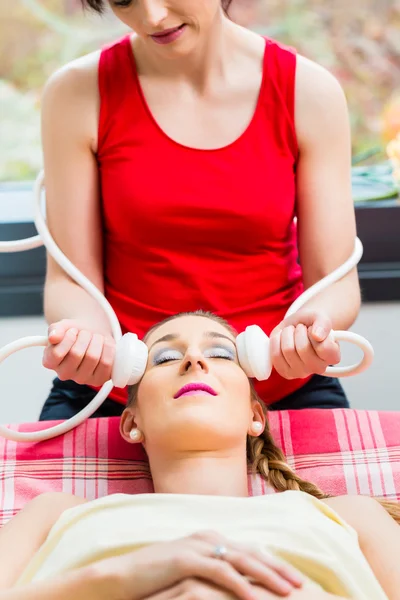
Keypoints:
(220, 552)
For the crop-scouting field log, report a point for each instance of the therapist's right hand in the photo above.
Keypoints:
(78, 354)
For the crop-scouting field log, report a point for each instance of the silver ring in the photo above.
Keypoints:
(220, 552)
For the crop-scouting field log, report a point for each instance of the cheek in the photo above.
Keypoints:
(153, 388)
(202, 12)
(237, 386)
(129, 19)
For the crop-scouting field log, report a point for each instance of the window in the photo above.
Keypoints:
(358, 41)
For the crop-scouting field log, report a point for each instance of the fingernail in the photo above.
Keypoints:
(286, 587)
(298, 580)
(320, 332)
(53, 332)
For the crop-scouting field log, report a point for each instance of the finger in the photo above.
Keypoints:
(328, 350)
(103, 370)
(172, 593)
(256, 565)
(278, 360)
(56, 331)
(306, 317)
(283, 569)
(221, 573)
(321, 328)
(305, 350)
(91, 359)
(196, 588)
(269, 560)
(260, 572)
(289, 352)
(189, 588)
(54, 355)
(55, 335)
(71, 362)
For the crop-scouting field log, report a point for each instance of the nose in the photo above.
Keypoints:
(194, 361)
(154, 13)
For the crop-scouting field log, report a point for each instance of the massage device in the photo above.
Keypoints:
(131, 353)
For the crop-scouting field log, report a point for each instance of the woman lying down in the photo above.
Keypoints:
(200, 536)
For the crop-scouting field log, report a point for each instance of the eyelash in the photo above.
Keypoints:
(122, 3)
(165, 358)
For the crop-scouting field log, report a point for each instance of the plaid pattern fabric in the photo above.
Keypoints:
(342, 451)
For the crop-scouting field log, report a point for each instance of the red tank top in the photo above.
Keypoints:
(188, 229)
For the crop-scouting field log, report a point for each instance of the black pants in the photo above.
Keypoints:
(67, 398)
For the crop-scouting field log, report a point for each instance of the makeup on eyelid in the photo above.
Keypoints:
(168, 354)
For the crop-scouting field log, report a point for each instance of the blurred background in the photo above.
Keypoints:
(359, 41)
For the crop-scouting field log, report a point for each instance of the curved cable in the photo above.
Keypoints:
(340, 336)
(45, 238)
(52, 248)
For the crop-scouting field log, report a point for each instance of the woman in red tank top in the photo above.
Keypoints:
(186, 155)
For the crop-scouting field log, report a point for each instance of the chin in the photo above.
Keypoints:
(199, 431)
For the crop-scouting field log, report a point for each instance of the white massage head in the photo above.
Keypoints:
(254, 352)
(130, 361)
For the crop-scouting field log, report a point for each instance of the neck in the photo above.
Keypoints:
(207, 473)
(209, 58)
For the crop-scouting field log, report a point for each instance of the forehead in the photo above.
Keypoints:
(188, 328)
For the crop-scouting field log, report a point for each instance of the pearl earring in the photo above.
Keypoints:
(136, 435)
(256, 427)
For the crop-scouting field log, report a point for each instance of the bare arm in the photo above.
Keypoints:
(82, 584)
(69, 135)
(24, 534)
(378, 535)
(326, 217)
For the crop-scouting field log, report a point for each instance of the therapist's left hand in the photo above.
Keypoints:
(301, 346)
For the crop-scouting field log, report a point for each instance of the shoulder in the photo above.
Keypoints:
(78, 76)
(320, 102)
(354, 509)
(72, 91)
(350, 501)
(313, 78)
(56, 502)
(40, 514)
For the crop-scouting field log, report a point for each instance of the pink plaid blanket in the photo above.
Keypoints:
(342, 451)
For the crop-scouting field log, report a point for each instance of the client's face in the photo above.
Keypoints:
(193, 395)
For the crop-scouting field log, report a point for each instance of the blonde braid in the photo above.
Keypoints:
(269, 461)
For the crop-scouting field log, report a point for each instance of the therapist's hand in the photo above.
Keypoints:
(76, 353)
(300, 345)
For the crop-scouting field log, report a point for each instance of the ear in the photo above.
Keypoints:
(126, 424)
(258, 417)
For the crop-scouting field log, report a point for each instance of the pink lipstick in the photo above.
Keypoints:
(190, 389)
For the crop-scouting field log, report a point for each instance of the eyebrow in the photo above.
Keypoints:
(171, 337)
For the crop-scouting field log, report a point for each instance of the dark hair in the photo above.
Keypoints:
(99, 5)
(263, 455)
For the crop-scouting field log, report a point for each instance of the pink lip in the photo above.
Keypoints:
(191, 388)
(169, 35)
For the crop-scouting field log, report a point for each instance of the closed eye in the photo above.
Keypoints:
(166, 356)
(122, 2)
(220, 352)
(169, 355)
